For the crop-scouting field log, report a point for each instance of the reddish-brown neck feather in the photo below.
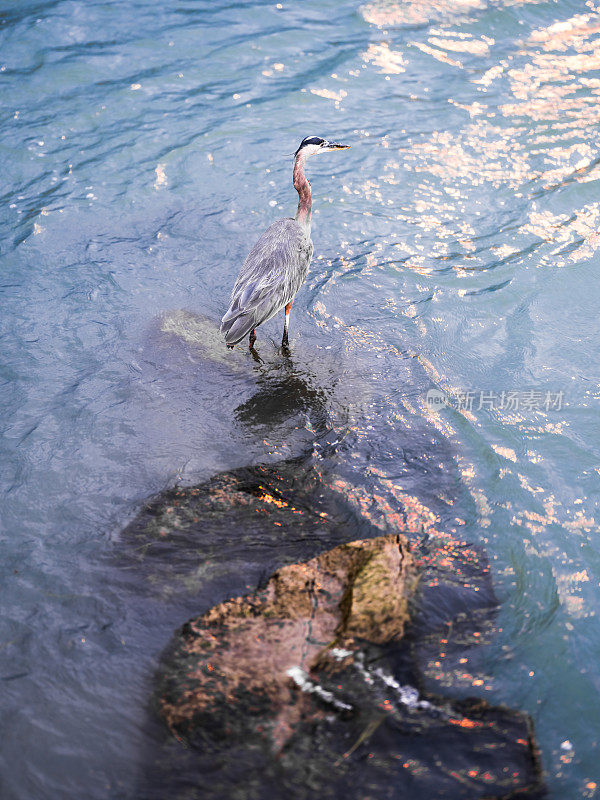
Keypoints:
(302, 186)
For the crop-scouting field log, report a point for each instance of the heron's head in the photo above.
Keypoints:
(314, 144)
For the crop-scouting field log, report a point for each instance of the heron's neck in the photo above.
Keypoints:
(302, 186)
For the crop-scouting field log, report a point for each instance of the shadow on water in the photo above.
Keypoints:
(284, 392)
(225, 536)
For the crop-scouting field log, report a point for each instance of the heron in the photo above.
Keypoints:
(277, 265)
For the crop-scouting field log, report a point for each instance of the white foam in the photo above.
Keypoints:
(407, 695)
(339, 653)
(303, 682)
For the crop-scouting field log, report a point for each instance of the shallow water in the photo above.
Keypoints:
(144, 148)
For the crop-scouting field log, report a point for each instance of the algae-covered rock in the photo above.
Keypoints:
(262, 650)
(203, 334)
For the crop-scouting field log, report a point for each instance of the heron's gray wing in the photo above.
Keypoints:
(270, 277)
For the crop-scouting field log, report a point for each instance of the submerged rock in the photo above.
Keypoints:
(265, 651)
(202, 333)
(278, 405)
(225, 536)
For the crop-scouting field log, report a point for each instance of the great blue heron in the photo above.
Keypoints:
(277, 265)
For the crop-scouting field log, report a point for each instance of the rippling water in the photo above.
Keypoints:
(144, 148)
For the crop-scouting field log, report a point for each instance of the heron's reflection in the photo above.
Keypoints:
(285, 390)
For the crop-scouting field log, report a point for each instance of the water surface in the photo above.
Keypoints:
(145, 146)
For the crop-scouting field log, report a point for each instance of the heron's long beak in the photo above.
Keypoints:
(335, 146)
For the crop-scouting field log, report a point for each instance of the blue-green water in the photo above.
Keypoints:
(144, 147)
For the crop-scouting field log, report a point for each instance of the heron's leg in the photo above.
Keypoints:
(252, 339)
(288, 308)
